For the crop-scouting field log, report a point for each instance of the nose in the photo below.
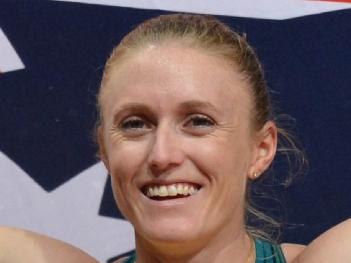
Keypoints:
(165, 150)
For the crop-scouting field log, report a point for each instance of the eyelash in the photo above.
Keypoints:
(128, 123)
(201, 118)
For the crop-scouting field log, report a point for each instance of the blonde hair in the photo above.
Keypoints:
(208, 33)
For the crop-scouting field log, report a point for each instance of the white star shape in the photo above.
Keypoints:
(9, 59)
(69, 213)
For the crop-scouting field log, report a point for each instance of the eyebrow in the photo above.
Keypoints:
(184, 106)
(137, 107)
(132, 106)
(195, 104)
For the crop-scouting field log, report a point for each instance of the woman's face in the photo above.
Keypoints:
(178, 143)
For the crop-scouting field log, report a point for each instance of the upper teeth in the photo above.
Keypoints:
(171, 190)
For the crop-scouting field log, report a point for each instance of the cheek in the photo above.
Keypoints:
(125, 158)
(125, 161)
(223, 159)
(226, 164)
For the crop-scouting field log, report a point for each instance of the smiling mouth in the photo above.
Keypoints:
(171, 191)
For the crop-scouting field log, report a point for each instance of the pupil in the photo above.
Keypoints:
(134, 125)
(200, 122)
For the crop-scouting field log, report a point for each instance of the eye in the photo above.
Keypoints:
(199, 124)
(134, 125)
(200, 121)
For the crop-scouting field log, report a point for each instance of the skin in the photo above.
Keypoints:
(332, 246)
(19, 245)
(176, 114)
(22, 246)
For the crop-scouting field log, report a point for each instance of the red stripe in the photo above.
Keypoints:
(339, 1)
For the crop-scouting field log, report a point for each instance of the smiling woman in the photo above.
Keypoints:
(186, 126)
(186, 129)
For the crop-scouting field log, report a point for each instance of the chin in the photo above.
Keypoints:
(171, 230)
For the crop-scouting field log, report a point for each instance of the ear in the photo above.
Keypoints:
(102, 149)
(265, 147)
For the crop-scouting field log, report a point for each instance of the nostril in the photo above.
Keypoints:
(165, 162)
(159, 169)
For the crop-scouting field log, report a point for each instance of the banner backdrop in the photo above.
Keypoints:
(51, 58)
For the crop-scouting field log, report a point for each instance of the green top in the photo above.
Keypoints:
(131, 259)
(266, 252)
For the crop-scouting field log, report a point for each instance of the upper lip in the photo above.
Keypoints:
(157, 181)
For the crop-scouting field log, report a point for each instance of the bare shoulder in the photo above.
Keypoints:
(333, 245)
(291, 251)
(18, 245)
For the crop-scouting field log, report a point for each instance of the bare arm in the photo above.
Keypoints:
(291, 251)
(332, 246)
(17, 246)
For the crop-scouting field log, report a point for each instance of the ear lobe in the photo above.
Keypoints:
(102, 150)
(265, 149)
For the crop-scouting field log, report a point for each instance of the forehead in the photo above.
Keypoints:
(178, 73)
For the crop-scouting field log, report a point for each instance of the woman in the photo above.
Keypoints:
(186, 126)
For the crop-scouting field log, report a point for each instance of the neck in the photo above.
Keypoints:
(234, 247)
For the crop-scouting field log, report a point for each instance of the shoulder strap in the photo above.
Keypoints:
(130, 259)
(267, 252)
